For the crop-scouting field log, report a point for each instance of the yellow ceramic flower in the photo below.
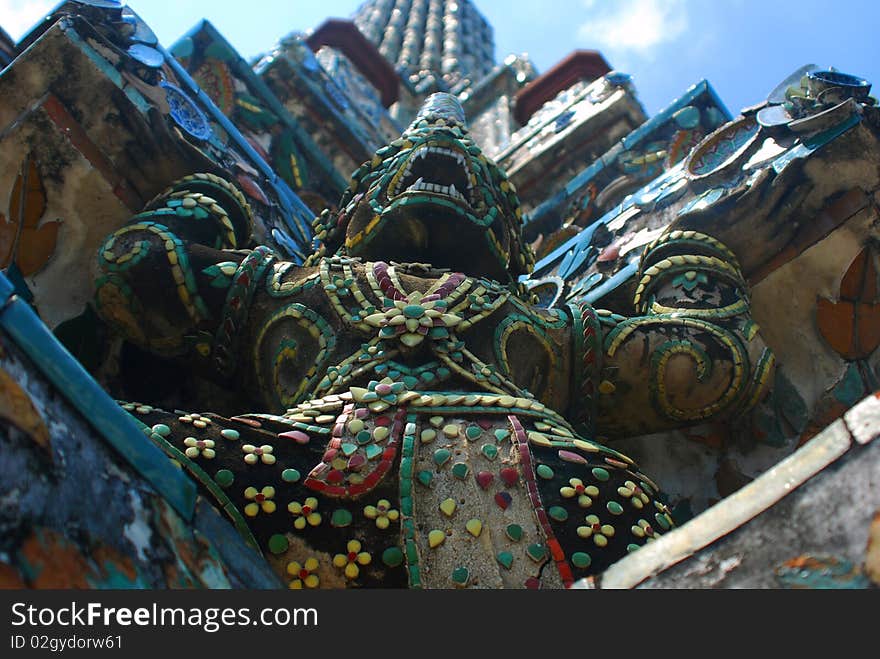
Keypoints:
(584, 493)
(634, 493)
(351, 561)
(199, 448)
(382, 512)
(254, 454)
(596, 530)
(303, 575)
(304, 513)
(259, 500)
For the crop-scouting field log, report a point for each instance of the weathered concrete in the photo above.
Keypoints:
(816, 535)
(74, 514)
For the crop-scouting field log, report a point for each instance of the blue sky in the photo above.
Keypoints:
(743, 47)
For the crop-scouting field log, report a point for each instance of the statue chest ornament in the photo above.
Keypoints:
(433, 330)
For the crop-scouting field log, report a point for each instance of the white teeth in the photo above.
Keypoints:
(421, 185)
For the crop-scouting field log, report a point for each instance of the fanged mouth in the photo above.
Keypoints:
(436, 170)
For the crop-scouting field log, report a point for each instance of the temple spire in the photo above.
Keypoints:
(437, 45)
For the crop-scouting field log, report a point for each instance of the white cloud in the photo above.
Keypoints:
(633, 27)
(19, 16)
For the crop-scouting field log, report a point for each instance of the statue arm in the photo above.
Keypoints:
(692, 355)
(166, 279)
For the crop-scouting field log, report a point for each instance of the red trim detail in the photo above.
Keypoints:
(528, 473)
(346, 37)
(332, 482)
(580, 65)
(77, 136)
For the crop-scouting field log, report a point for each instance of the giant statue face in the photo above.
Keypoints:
(431, 196)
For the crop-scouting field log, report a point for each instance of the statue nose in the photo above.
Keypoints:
(441, 106)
